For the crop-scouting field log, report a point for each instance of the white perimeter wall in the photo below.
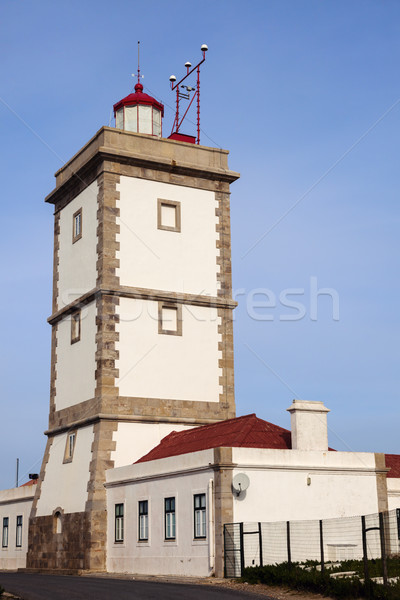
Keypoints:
(134, 440)
(166, 260)
(77, 266)
(153, 365)
(183, 556)
(13, 503)
(76, 364)
(342, 484)
(65, 485)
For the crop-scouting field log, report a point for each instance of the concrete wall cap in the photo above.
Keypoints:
(308, 406)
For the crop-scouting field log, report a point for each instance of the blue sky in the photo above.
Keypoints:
(306, 97)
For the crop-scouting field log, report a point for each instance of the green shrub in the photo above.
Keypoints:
(296, 577)
(2, 590)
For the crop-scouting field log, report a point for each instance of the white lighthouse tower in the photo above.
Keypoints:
(142, 338)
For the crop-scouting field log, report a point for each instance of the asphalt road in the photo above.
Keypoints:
(55, 587)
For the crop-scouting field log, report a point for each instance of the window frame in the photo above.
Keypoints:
(76, 326)
(119, 523)
(18, 531)
(167, 519)
(178, 222)
(170, 306)
(202, 510)
(5, 532)
(76, 236)
(69, 452)
(145, 519)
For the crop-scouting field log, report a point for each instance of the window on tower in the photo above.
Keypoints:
(70, 446)
(75, 327)
(169, 215)
(77, 226)
(169, 318)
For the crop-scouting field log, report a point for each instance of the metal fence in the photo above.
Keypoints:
(328, 540)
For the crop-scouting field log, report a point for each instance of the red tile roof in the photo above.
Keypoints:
(243, 432)
(30, 482)
(393, 462)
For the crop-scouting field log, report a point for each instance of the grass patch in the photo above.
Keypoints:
(312, 580)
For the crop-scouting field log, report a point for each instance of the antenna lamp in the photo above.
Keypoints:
(172, 78)
(204, 48)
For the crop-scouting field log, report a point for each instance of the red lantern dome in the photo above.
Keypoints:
(139, 113)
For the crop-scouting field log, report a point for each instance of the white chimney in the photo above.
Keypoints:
(309, 425)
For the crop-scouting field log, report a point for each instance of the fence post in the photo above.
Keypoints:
(260, 544)
(383, 549)
(321, 543)
(241, 549)
(289, 554)
(364, 543)
(225, 550)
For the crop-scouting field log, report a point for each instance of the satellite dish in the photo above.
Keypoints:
(240, 483)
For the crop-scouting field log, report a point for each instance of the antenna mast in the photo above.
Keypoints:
(181, 95)
(138, 62)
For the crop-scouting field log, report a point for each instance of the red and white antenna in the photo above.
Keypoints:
(186, 96)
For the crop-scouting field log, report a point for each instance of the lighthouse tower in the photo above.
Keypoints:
(141, 322)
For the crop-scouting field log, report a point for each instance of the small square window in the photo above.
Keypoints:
(169, 318)
(169, 215)
(77, 226)
(70, 446)
(75, 327)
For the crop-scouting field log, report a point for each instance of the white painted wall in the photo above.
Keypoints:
(77, 262)
(134, 440)
(185, 555)
(153, 365)
(76, 365)
(166, 260)
(70, 492)
(15, 502)
(342, 484)
(393, 487)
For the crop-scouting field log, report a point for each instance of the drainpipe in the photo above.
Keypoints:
(211, 540)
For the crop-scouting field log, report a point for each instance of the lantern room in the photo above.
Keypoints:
(139, 113)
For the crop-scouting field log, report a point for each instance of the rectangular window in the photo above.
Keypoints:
(169, 318)
(170, 521)
(77, 226)
(18, 541)
(119, 522)
(200, 527)
(169, 215)
(75, 327)
(70, 446)
(4, 537)
(143, 520)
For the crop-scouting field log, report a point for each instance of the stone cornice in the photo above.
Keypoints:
(142, 294)
(128, 419)
(111, 145)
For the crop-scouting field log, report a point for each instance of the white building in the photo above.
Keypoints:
(290, 477)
